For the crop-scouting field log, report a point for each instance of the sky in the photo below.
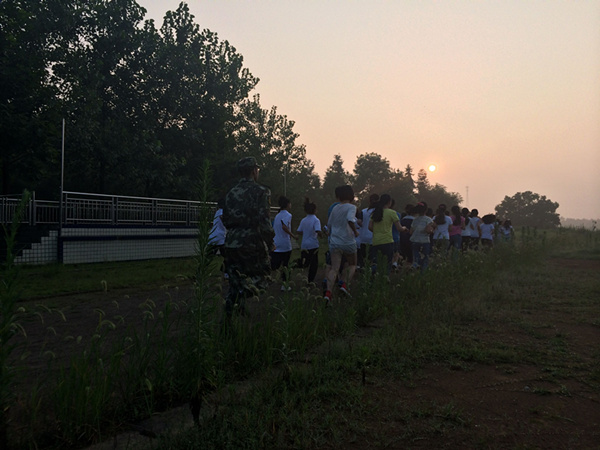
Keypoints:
(502, 96)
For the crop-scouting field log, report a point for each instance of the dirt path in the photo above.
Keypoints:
(504, 405)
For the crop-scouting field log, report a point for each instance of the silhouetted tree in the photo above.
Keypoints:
(335, 176)
(529, 209)
(371, 173)
(436, 194)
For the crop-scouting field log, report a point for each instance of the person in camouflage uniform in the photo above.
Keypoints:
(249, 236)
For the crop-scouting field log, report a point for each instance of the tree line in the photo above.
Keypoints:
(144, 107)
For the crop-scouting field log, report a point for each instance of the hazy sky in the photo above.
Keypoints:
(503, 96)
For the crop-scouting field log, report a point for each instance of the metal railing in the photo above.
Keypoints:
(79, 208)
(36, 212)
(100, 209)
(83, 208)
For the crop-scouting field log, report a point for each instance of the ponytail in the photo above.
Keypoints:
(377, 215)
(440, 217)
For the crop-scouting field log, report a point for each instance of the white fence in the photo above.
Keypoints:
(86, 228)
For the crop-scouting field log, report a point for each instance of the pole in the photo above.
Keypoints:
(62, 181)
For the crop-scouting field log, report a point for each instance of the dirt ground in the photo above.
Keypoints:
(474, 405)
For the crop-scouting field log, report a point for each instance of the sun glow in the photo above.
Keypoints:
(432, 168)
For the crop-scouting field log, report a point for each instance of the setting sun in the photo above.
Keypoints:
(432, 168)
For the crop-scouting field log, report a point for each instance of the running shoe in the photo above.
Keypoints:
(344, 289)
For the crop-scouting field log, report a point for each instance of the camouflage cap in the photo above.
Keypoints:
(249, 161)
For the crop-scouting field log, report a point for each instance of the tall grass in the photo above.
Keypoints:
(10, 323)
(181, 352)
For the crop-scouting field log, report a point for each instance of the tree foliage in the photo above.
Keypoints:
(436, 194)
(144, 106)
(371, 173)
(28, 122)
(529, 209)
(335, 176)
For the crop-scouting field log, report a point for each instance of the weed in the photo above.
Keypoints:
(10, 320)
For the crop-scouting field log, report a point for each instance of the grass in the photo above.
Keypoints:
(36, 282)
(429, 325)
(308, 370)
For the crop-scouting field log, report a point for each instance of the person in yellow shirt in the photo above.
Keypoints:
(382, 220)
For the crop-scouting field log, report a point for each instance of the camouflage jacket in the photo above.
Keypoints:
(246, 216)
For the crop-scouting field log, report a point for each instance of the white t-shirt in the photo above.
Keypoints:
(472, 227)
(466, 232)
(487, 231)
(418, 229)
(282, 240)
(309, 227)
(340, 233)
(218, 231)
(441, 229)
(365, 236)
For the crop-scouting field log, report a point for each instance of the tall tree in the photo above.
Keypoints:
(201, 82)
(335, 176)
(408, 175)
(91, 66)
(423, 186)
(28, 123)
(271, 138)
(400, 188)
(371, 173)
(529, 209)
(436, 194)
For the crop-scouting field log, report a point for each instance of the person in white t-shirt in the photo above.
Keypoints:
(218, 231)
(310, 229)
(282, 225)
(488, 230)
(441, 234)
(365, 236)
(420, 230)
(506, 231)
(342, 239)
(466, 232)
(216, 238)
(474, 228)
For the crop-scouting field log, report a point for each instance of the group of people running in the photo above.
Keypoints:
(362, 238)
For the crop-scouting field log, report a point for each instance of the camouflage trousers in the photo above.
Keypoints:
(248, 272)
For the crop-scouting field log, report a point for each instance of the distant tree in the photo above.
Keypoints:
(408, 175)
(400, 189)
(270, 137)
(371, 173)
(422, 186)
(335, 176)
(529, 209)
(436, 194)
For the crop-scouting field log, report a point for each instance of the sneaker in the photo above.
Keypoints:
(344, 289)
(327, 297)
(284, 288)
